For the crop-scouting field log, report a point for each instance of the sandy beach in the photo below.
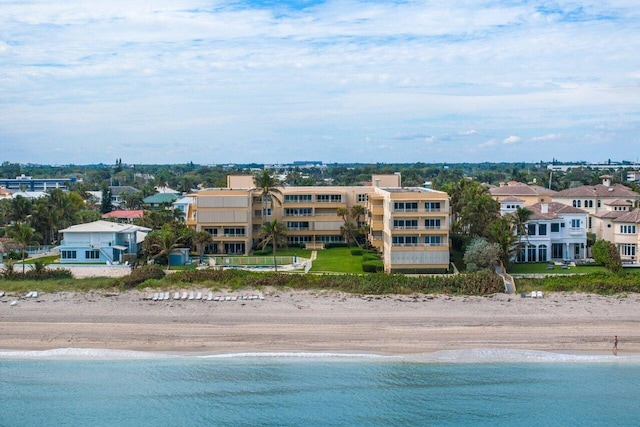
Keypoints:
(320, 322)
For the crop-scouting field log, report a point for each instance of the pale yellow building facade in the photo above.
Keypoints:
(409, 226)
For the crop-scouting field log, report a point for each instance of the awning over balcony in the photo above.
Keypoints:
(121, 248)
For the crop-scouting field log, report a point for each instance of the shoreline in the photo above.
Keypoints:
(322, 322)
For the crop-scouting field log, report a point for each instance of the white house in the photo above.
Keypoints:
(100, 242)
(556, 232)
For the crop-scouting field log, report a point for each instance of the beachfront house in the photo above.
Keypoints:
(555, 232)
(620, 226)
(100, 242)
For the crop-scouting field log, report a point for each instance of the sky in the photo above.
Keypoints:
(233, 81)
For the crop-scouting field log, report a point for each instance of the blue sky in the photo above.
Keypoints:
(152, 81)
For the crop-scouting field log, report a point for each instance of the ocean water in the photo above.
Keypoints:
(477, 387)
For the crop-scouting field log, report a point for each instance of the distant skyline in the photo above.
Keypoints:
(218, 82)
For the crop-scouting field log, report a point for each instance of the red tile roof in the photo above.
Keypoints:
(134, 214)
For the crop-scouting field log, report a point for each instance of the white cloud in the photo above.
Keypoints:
(547, 137)
(467, 132)
(511, 139)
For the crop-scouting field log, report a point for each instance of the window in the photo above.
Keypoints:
(542, 229)
(329, 198)
(628, 229)
(557, 250)
(298, 212)
(297, 198)
(363, 198)
(328, 239)
(212, 231)
(531, 253)
(405, 240)
(589, 221)
(405, 206)
(405, 223)
(68, 255)
(432, 206)
(298, 225)
(575, 223)
(234, 232)
(577, 203)
(433, 240)
(299, 239)
(93, 254)
(555, 227)
(432, 224)
(627, 250)
(531, 229)
(542, 253)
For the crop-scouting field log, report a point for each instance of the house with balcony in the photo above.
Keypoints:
(100, 242)
(620, 225)
(409, 226)
(555, 232)
(597, 199)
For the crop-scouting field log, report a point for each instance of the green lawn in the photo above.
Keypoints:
(541, 268)
(337, 260)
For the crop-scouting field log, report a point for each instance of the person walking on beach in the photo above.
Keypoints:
(615, 344)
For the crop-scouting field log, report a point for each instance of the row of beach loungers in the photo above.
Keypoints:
(533, 294)
(165, 296)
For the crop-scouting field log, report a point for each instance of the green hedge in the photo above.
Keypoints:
(372, 266)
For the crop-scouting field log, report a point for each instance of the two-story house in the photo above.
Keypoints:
(100, 242)
(555, 232)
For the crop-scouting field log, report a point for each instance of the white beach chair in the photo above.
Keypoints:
(155, 297)
(13, 303)
(539, 294)
(191, 295)
(533, 294)
(260, 296)
(210, 297)
(234, 298)
(184, 295)
(1, 294)
(227, 298)
(216, 298)
(28, 295)
(176, 295)
(34, 294)
(199, 295)
(166, 296)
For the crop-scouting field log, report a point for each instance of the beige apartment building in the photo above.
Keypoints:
(410, 226)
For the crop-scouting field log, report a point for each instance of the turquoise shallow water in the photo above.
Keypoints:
(451, 388)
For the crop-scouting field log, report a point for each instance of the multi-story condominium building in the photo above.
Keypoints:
(409, 226)
(555, 231)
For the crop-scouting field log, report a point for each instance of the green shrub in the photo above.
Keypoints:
(141, 275)
(335, 245)
(370, 256)
(357, 251)
(373, 266)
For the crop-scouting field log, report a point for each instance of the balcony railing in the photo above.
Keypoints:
(416, 227)
(419, 244)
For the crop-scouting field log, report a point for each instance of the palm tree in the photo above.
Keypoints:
(519, 219)
(201, 239)
(274, 233)
(166, 241)
(267, 187)
(501, 232)
(24, 235)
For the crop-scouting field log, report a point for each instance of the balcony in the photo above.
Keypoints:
(576, 231)
(416, 227)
